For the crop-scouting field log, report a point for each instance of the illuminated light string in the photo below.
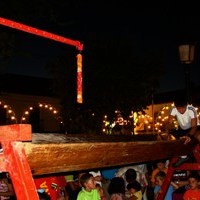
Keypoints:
(143, 121)
(79, 79)
(162, 118)
(48, 107)
(108, 125)
(10, 114)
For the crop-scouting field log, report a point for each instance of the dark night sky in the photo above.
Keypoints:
(152, 27)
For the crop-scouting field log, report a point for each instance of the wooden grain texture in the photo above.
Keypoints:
(55, 153)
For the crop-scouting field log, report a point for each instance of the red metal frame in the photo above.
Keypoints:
(184, 166)
(13, 160)
(51, 36)
(41, 33)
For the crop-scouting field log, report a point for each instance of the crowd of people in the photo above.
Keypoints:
(136, 182)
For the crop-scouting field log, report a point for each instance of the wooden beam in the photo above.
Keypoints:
(54, 153)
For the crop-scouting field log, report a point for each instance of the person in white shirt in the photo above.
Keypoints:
(186, 116)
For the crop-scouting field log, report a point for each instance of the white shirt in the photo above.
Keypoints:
(184, 120)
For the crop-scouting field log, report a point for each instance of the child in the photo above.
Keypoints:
(88, 190)
(160, 166)
(116, 189)
(6, 187)
(135, 191)
(194, 191)
(160, 176)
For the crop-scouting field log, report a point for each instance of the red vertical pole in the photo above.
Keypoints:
(79, 79)
(167, 180)
(16, 164)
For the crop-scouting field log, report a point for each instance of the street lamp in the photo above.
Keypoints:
(186, 53)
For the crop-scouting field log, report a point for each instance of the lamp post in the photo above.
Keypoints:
(186, 53)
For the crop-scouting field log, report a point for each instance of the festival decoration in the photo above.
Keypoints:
(48, 107)
(51, 36)
(10, 114)
(79, 79)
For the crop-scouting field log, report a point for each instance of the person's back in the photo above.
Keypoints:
(107, 175)
(116, 189)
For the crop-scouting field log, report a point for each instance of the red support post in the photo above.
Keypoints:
(13, 160)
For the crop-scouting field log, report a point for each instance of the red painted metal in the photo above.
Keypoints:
(51, 36)
(79, 79)
(41, 33)
(16, 132)
(196, 153)
(167, 180)
(13, 160)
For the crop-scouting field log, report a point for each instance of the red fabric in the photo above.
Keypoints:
(192, 195)
(177, 196)
(46, 183)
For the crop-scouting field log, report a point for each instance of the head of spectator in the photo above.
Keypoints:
(116, 186)
(194, 181)
(134, 187)
(130, 175)
(161, 165)
(159, 177)
(87, 181)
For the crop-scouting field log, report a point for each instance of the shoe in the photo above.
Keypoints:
(180, 161)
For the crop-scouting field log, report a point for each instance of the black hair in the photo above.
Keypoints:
(161, 161)
(85, 178)
(180, 100)
(130, 175)
(117, 185)
(135, 185)
(194, 175)
(161, 174)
